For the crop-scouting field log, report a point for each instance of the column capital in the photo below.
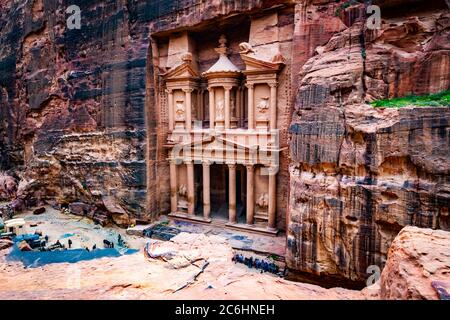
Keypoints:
(249, 85)
(228, 88)
(250, 167)
(273, 170)
(188, 90)
(188, 162)
(175, 160)
(231, 165)
(206, 163)
(273, 84)
(169, 90)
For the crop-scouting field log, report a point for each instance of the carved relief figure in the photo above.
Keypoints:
(182, 197)
(262, 107)
(220, 110)
(263, 202)
(233, 107)
(179, 110)
(193, 111)
(182, 191)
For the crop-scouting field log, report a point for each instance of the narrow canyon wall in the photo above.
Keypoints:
(359, 174)
(81, 113)
(73, 101)
(81, 110)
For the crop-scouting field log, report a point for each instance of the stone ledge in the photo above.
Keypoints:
(188, 217)
(237, 226)
(253, 229)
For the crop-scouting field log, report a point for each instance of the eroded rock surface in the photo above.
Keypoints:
(359, 174)
(418, 265)
(80, 118)
(73, 101)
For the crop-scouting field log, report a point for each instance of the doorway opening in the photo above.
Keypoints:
(220, 192)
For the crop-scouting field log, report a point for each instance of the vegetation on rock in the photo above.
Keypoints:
(441, 99)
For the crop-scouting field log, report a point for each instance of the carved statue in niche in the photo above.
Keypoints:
(220, 110)
(245, 48)
(262, 203)
(233, 107)
(179, 110)
(182, 197)
(233, 114)
(194, 111)
(262, 107)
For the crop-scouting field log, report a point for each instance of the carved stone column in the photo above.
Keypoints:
(173, 187)
(190, 187)
(227, 106)
(239, 114)
(206, 190)
(242, 107)
(232, 193)
(250, 194)
(272, 199)
(273, 106)
(212, 104)
(170, 108)
(188, 94)
(251, 107)
(200, 111)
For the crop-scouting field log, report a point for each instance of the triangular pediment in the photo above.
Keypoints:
(213, 143)
(231, 144)
(182, 71)
(254, 64)
(220, 150)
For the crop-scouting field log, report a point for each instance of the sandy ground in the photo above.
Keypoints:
(238, 239)
(82, 231)
(138, 277)
(176, 275)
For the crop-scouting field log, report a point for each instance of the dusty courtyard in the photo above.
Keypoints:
(175, 275)
(197, 264)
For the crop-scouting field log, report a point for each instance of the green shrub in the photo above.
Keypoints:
(432, 100)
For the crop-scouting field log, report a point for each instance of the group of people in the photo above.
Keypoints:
(263, 265)
(58, 244)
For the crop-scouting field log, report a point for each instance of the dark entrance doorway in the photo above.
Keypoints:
(198, 187)
(220, 192)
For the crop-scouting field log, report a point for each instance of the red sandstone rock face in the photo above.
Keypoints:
(418, 265)
(358, 175)
(72, 101)
(77, 107)
(79, 117)
(8, 187)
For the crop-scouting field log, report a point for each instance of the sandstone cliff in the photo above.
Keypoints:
(78, 108)
(73, 101)
(79, 118)
(359, 174)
